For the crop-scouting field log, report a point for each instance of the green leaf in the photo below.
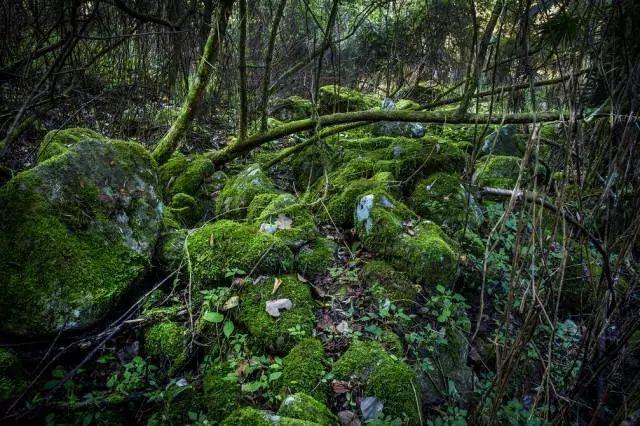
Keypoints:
(228, 328)
(214, 317)
(275, 375)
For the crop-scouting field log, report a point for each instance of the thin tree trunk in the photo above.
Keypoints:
(171, 140)
(328, 33)
(472, 83)
(242, 52)
(266, 80)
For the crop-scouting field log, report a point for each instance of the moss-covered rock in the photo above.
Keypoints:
(185, 209)
(382, 376)
(247, 416)
(391, 342)
(342, 99)
(379, 221)
(292, 108)
(77, 231)
(59, 141)
(429, 256)
(187, 174)
(225, 245)
(275, 333)
(292, 223)
(303, 407)
(441, 198)
(315, 257)
(385, 282)
(171, 249)
(180, 398)
(221, 391)
(303, 370)
(261, 201)
(239, 191)
(166, 341)
(340, 207)
(499, 171)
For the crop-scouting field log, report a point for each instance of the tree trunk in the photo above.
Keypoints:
(328, 33)
(266, 80)
(242, 53)
(171, 140)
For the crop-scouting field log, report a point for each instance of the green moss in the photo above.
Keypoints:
(58, 141)
(90, 215)
(303, 407)
(221, 391)
(498, 171)
(186, 209)
(171, 249)
(261, 201)
(429, 257)
(379, 221)
(385, 282)
(303, 370)
(179, 400)
(165, 341)
(225, 245)
(239, 191)
(247, 416)
(342, 99)
(391, 343)
(271, 333)
(441, 198)
(368, 143)
(316, 257)
(292, 108)
(407, 104)
(382, 376)
(186, 174)
(394, 382)
(359, 361)
(341, 206)
(292, 223)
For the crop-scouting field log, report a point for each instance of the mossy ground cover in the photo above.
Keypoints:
(364, 249)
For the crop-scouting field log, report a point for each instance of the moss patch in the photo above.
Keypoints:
(239, 191)
(385, 282)
(303, 370)
(343, 99)
(303, 407)
(166, 341)
(316, 257)
(271, 333)
(221, 393)
(498, 171)
(59, 141)
(224, 245)
(247, 416)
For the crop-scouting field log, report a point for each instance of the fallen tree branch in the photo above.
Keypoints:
(371, 116)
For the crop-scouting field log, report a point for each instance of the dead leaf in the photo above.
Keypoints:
(303, 279)
(211, 238)
(342, 327)
(340, 386)
(276, 285)
(273, 306)
(231, 303)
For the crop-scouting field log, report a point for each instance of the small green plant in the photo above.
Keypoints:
(136, 375)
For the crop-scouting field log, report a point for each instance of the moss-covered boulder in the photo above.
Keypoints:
(221, 391)
(380, 221)
(292, 108)
(385, 282)
(225, 245)
(499, 171)
(261, 201)
(383, 376)
(303, 370)
(504, 140)
(292, 223)
(428, 256)
(185, 209)
(247, 416)
(442, 199)
(59, 141)
(77, 231)
(239, 191)
(166, 341)
(190, 175)
(277, 333)
(315, 257)
(303, 407)
(342, 99)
